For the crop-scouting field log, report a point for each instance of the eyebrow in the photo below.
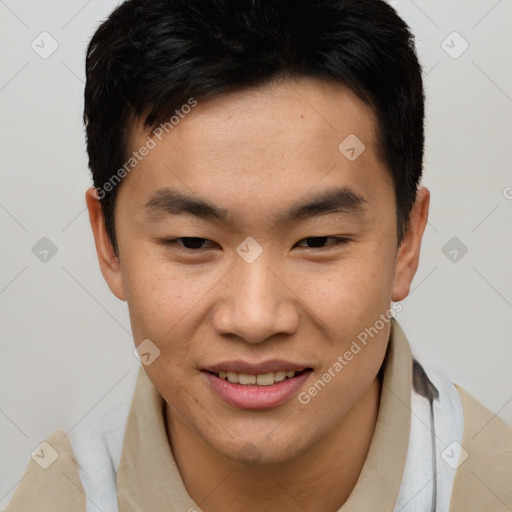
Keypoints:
(167, 201)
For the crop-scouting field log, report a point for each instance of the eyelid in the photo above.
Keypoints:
(175, 240)
(338, 240)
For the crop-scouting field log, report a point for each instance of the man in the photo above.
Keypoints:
(257, 205)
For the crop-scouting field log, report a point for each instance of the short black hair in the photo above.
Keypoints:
(150, 57)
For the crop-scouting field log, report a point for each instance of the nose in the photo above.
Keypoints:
(257, 303)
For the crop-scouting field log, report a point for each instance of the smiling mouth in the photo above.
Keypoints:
(262, 379)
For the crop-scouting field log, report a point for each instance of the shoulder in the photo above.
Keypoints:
(51, 480)
(483, 480)
(68, 466)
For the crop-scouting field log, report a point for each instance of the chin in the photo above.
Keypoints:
(256, 453)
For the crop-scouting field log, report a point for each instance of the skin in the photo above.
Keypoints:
(256, 153)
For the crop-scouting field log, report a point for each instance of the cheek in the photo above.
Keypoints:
(167, 306)
(159, 294)
(160, 302)
(153, 299)
(352, 293)
(374, 276)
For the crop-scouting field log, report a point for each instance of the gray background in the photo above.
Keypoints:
(66, 348)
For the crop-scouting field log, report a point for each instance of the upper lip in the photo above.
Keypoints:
(249, 368)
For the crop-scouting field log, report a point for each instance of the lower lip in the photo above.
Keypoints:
(253, 396)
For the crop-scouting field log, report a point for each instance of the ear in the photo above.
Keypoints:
(109, 262)
(409, 252)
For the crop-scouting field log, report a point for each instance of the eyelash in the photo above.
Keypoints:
(174, 241)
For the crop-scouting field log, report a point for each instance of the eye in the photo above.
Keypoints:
(193, 243)
(186, 242)
(319, 242)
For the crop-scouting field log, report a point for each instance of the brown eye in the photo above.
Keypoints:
(186, 242)
(320, 242)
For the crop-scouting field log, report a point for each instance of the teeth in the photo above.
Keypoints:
(279, 376)
(233, 377)
(246, 379)
(262, 379)
(265, 379)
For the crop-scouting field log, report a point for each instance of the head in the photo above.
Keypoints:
(256, 167)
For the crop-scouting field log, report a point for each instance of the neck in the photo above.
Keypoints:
(320, 479)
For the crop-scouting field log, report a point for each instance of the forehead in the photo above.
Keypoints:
(299, 105)
(262, 145)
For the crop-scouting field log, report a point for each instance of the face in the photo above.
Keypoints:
(250, 243)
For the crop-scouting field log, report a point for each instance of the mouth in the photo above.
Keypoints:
(256, 390)
(260, 379)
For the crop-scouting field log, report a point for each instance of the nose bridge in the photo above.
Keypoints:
(255, 292)
(257, 304)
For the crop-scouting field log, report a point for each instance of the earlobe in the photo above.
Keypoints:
(409, 251)
(109, 262)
